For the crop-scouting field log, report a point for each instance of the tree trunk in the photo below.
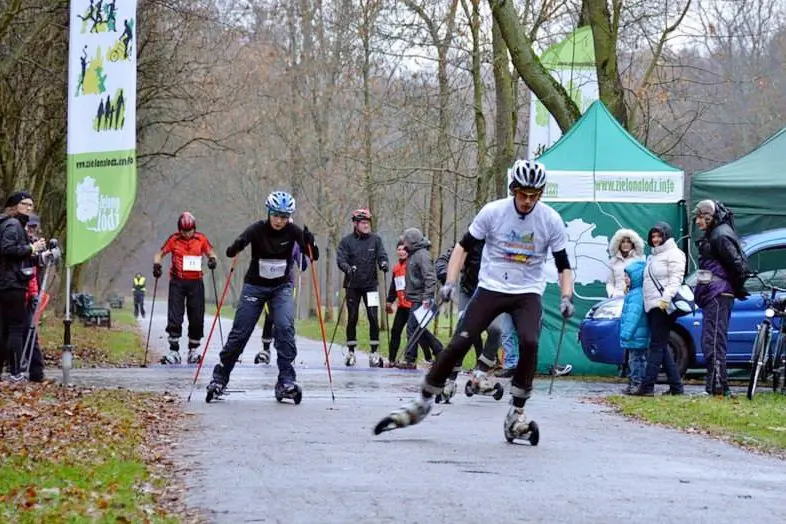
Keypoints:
(506, 106)
(604, 35)
(482, 174)
(548, 90)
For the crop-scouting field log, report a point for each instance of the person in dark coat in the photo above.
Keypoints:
(723, 268)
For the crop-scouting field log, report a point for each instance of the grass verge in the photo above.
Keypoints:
(84, 455)
(120, 346)
(758, 425)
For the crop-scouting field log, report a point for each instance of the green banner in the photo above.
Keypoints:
(101, 125)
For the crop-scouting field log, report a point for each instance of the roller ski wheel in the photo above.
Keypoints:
(469, 389)
(291, 392)
(215, 391)
(407, 415)
(517, 427)
(350, 360)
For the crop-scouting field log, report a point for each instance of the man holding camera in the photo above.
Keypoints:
(17, 267)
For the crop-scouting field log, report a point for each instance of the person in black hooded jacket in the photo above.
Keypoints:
(723, 268)
(17, 257)
(358, 256)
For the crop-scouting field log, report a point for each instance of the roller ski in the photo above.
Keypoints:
(407, 415)
(350, 359)
(290, 391)
(518, 427)
(263, 357)
(480, 384)
(448, 392)
(215, 391)
(375, 361)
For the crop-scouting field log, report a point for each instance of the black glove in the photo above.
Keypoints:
(211, 263)
(384, 267)
(232, 250)
(157, 271)
(308, 240)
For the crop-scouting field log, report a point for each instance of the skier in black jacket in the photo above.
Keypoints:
(358, 256)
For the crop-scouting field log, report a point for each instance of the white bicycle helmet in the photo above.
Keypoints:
(526, 174)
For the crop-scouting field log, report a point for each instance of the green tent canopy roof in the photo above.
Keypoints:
(597, 142)
(753, 186)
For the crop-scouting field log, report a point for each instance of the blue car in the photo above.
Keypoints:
(599, 331)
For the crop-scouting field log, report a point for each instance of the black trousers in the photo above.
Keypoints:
(714, 338)
(354, 296)
(186, 296)
(399, 323)
(13, 326)
(484, 306)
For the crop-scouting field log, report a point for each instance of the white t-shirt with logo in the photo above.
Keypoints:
(516, 248)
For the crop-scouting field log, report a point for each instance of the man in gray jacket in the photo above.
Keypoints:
(420, 288)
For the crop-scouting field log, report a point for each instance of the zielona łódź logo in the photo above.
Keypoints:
(98, 212)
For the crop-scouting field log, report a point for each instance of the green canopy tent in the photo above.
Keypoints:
(753, 187)
(600, 179)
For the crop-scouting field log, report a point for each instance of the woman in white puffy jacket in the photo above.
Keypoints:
(662, 279)
(626, 246)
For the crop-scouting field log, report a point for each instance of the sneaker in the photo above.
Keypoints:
(641, 392)
(15, 379)
(194, 356)
(374, 360)
(516, 424)
(481, 382)
(263, 357)
(173, 357)
(350, 359)
(412, 412)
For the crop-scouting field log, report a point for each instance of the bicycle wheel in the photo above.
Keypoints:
(779, 363)
(759, 354)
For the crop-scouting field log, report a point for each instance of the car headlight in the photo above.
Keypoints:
(769, 312)
(607, 310)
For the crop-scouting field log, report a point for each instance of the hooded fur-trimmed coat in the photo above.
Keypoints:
(615, 282)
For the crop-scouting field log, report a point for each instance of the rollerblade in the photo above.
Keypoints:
(263, 357)
(406, 415)
(479, 384)
(447, 392)
(289, 391)
(375, 361)
(518, 427)
(350, 360)
(173, 357)
(215, 391)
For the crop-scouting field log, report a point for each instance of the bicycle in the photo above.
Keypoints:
(765, 361)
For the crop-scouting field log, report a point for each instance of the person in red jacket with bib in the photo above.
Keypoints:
(186, 289)
(396, 292)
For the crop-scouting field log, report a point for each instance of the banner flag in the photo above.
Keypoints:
(101, 147)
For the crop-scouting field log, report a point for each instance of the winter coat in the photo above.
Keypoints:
(615, 283)
(666, 264)
(365, 252)
(16, 255)
(421, 282)
(634, 329)
(469, 272)
(721, 254)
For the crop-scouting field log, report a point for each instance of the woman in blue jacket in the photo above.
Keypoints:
(634, 330)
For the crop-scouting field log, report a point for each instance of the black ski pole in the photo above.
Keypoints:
(150, 324)
(556, 355)
(215, 293)
(340, 310)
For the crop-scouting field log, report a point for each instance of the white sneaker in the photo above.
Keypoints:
(374, 360)
(351, 359)
(518, 427)
(194, 356)
(173, 357)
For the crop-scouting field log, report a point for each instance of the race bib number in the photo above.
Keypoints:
(401, 283)
(272, 269)
(372, 299)
(192, 263)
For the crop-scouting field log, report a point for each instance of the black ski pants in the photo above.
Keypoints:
(354, 297)
(186, 296)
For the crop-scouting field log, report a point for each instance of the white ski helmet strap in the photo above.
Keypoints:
(527, 174)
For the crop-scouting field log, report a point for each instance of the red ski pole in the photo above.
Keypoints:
(213, 326)
(321, 322)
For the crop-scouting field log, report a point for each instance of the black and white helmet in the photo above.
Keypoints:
(525, 174)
